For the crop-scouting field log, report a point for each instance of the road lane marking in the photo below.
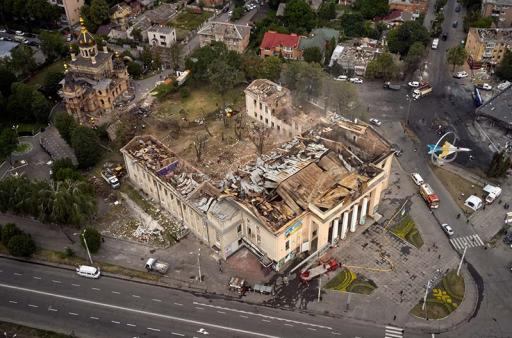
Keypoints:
(265, 320)
(152, 329)
(288, 324)
(336, 333)
(117, 293)
(57, 281)
(132, 325)
(135, 296)
(73, 314)
(75, 284)
(156, 300)
(243, 316)
(311, 328)
(32, 305)
(199, 308)
(35, 277)
(179, 304)
(262, 315)
(178, 334)
(95, 318)
(13, 302)
(147, 313)
(115, 322)
(221, 312)
(18, 274)
(52, 309)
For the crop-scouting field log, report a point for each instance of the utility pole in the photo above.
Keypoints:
(409, 98)
(425, 297)
(199, 264)
(87, 247)
(319, 287)
(462, 259)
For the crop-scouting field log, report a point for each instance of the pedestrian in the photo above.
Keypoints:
(394, 317)
(458, 215)
(439, 257)
(401, 292)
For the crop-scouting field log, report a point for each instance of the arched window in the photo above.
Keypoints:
(102, 102)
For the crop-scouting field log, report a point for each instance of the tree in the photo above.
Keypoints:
(9, 230)
(64, 169)
(52, 83)
(339, 95)
(200, 143)
(176, 52)
(8, 142)
(53, 45)
(201, 59)
(327, 10)
(299, 17)
(7, 78)
(312, 54)
(137, 34)
(238, 12)
(134, 69)
(456, 56)
(96, 14)
(499, 165)
(352, 24)
(271, 68)
(504, 69)
(401, 38)
(65, 124)
(33, 13)
(22, 60)
(304, 79)
(21, 245)
(372, 8)
(251, 66)
(414, 56)
(223, 77)
(26, 104)
(259, 134)
(87, 147)
(93, 238)
(382, 67)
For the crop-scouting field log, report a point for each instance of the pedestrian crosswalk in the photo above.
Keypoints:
(471, 241)
(393, 332)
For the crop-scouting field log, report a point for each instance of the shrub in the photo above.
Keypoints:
(21, 245)
(9, 230)
(93, 239)
(184, 92)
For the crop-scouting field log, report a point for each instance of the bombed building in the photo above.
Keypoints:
(300, 197)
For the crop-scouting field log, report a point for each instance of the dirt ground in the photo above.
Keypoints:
(459, 188)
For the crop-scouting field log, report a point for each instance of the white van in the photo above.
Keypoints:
(88, 271)
(418, 180)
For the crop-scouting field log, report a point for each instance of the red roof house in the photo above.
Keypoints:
(287, 45)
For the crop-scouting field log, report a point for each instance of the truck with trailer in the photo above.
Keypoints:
(422, 91)
(429, 196)
(153, 264)
(325, 266)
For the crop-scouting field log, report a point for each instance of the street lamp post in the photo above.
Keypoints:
(409, 98)
(87, 247)
(462, 259)
(425, 297)
(319, 287)
(199, 264)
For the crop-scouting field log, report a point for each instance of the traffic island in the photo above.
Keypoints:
(348, 281)
(445, 298)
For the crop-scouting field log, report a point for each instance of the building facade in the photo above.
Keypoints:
(303, 197)
(235, 37)
(93, 81)
(71, 8)
(276, 44)
(162, 36)
(501, 10)
(488, 45)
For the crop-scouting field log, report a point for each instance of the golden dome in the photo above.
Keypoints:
(85, 39)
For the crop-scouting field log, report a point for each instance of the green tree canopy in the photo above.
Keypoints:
(8, 142)
(499, 165)
(64, 169)
(31, 14)
(134, 69)
(95, 14)
(223, 77)
(7, 78)
(9, 230)
(52, 83)
(304, 79)
(21, 245)
(456, 56)
(299, 17)
(382, 67)
(53, 45)
(22, 60)
(312, 54)
(353, 24)
(201, 59)
(65, 124)
(327, 10)
(372, 8)
(271, 68)
(87, 147)
(93, 238)
(414, 56)
(504, 70)
(26, 104)
(401, 38)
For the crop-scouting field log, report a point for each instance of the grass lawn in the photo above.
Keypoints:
(188, 20)
(457, 186)
(444, 298)
(406, 230)
(38, 79)
(28, 332)
(200, 102)
(348, 281)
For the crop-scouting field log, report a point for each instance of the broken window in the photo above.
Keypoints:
(314, 234)
(239, 228)
(261, 106)
(287, 245)
(249, 231)
(255, 102)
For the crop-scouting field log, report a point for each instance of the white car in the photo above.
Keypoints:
(3, 30)
(19, 33)
(356, 80)
(341, 78)
(375, 122)
(417, 179)
(414, 84)
(447, 229)
(486, 86)
(230, 13)
(461, 75)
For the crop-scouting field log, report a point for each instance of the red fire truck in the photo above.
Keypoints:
(429, 196)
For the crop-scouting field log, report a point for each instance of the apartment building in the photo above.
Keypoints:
(488, 45)
(286, 45)
(301, 197)
(162, 36)
(501, 10)
(235, 37)
(71, 8)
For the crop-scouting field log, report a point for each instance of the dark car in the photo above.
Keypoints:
(455, 24)
(32, 44)
(457, 9)
(444, 36)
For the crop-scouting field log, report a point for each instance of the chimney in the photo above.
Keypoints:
(105, 50)
(93, 60)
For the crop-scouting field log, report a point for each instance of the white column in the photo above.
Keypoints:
(344, 225)
(353, 222)
(364, 207)
(335, 231)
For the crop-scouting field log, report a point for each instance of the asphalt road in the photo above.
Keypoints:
(60, 300)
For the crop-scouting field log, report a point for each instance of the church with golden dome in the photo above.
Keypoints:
(93, 82)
